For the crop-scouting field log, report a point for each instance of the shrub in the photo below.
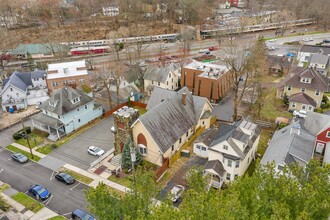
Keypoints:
(54, 146)
(17, 136)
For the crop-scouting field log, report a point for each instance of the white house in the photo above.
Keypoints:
(232, 150)
(110, 11)
(163, 77)
(306, 52)
(24, 88)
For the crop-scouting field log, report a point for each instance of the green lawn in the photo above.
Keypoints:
(78, 176)
(45, 149)
(28, 202)
(27, 154)
(4, 187)
(125, 181)
(141, 110)
(33, 139)
(59, 217)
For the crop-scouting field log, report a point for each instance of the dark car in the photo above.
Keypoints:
(39, 192)
(19, 158)
(79, 214)
(65, 178)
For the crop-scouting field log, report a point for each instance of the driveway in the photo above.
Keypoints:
(6, 134)
(65, 199)
(75, 153)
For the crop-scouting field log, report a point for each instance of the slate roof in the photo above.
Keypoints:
(62, 97)
(316, 122)
(288, 146)
(208, 136)
(315, 49)
(319, 82)
(39, 48)
(279, 62)
(159, 74)
(170, 120)
(48, 120)
(319, 58)
(303, 98)
(216, 166)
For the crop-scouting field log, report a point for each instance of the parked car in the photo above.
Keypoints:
(212, 48)
(79, 214)
(95, 151)
(39, 192)
(203, 51)
(65, 178)
(21, 158)
(300, 113)
(326, 41)
(176, 192)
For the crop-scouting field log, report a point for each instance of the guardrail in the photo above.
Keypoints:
(102, 157)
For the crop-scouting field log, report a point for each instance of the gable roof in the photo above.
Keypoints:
(208, 136)
(170, 117)
(319, 58)
(319, 82)
(303, 98)
(315, 49)
(316, 122)
(215, 166)
(62, 97)
(159, 74)
(288, 146)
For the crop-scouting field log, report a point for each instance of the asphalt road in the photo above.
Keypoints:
(75, 151)
(6, 134)
(65, 199)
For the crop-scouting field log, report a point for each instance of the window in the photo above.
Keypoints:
(203, 122)
(223, 159)
(303, 107)
(289, 88)
(172, 79)
(11, 89)
(225, 147)
(43, 78)
(166, 82)
(180, 141)
(78, 120)
(237, 164)
(152, 82)
(85, 106)
(203, 148)
(229, 163)
(173, 147)
(328, 134)
(236, 176)
(293, 104)
(169, 75)
(55, 84)
(310, 108)
(317, 92)
(198, 147)
(158, 83)
(172, 87)
(228, 176)
(17, 94)
(143, 150)
(77, 109)
(303, 89)
(59, 117)
(307, 80)
(81, 80)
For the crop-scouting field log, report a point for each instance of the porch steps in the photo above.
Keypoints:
(52, 137)
(116, 161)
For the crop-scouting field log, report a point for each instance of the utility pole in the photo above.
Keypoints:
(27, 138)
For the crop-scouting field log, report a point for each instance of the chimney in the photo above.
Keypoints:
(184, 98)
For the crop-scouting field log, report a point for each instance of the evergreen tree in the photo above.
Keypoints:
(126, 155)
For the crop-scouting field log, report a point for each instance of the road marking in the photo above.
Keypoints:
(75, 186)
(48, 200)
(67, 213)
(51, 176)
(1, 170)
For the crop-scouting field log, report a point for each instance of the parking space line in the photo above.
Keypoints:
(51, 176)
(48, 200)
(67, 214)
(1, 170)
(74, 186)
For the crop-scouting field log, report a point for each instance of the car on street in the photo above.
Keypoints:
(65, 178)
(176, 192)
(79, 214)
(204, 51)
(18, 157)
(39, 192)
(212, 48)
(95, 151)
(300, 113)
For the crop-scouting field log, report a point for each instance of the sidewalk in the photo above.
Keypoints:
(28, 150)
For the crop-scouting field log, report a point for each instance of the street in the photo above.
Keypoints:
(65, 199)
(6, 134)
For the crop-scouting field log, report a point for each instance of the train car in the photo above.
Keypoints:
(89, 50)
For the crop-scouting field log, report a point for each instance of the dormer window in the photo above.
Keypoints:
(289, 88)
(75, 100)
(303, 90)
(305, 80)
(53, 104)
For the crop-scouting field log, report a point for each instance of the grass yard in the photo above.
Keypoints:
(45, 149)
(27, 154)
(4, 187)
(78, 176)
(28, 202)
(33, 138)
(125, 181)
(59, 217)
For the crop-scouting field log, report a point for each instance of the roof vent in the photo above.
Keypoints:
(184, 98)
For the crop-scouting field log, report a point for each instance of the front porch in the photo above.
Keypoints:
(215, 170)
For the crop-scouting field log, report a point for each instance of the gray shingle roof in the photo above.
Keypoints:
(170, 120)
(316, 122)
(315, 49)
(208, 136)
(224, 133)
(319, 58)
(62, 97)
(46, 119)
(216, 166)
(302, 98)
(159, 74)
(287, 141)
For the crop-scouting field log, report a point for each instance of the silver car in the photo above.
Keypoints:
(19, 158)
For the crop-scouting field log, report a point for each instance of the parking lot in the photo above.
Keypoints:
(75, 153)
(64, 199)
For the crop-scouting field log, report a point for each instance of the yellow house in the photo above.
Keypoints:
(171, 119)
(305, 88)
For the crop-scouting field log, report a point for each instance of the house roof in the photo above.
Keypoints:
(319, 58)
(216, 166)
(319, 82)
(316, 122)
(208, 136)
(288, 146)
(303, 98)
(315, 49)
(279, 62)
(67, 69)
(62, 97)
(48, 120)
(159, 74)
(170, 117)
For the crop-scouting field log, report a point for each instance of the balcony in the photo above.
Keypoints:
(13, 101)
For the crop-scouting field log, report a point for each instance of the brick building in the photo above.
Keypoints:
(206, 80)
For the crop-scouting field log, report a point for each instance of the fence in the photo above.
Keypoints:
(177, 155)
(264, 124)
(133, 103)
(213, 120)
(162, 169)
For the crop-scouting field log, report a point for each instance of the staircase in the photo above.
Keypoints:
(116, 161)
(52, 137)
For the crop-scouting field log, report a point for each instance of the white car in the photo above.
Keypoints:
(300, 113)
(204, 51)
(95, 151)
(176, 192)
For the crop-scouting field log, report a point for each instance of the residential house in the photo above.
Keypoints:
(164, 77)
(280, 64)
(65, 111)
(305, 88)
(320, 62)
(306, 51)
(207, 80)
(319, 125)
(38, 51)
(167, 126)
(22, 89)
(60, 75)
(110, 11)
(291, 144)
(234, 147)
